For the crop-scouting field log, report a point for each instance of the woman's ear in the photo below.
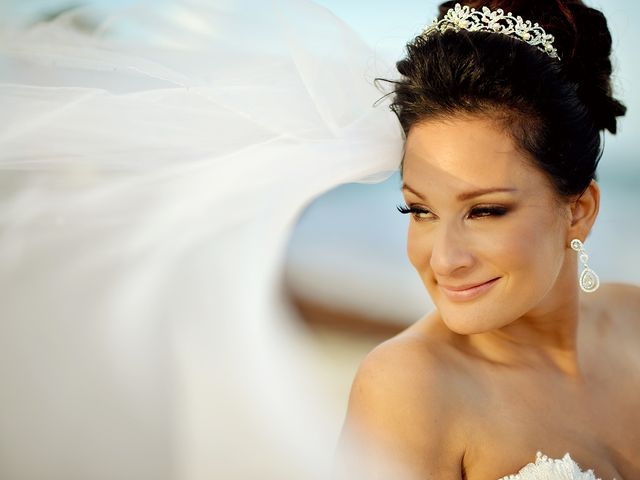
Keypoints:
(584, 211)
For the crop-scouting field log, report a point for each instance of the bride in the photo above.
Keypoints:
(154, 161)
(503, 117)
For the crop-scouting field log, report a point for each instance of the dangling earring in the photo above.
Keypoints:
(589, 281)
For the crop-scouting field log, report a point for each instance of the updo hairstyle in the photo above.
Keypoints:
(555, 110)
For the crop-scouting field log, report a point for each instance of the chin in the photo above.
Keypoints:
(466, 318)
(472, 317)
(466, 324)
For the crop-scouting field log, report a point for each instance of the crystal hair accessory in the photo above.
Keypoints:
(497, 21)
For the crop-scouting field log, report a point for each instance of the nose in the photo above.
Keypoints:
(450, 250)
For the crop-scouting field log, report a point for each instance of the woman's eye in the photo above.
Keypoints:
(487, 211)
(418, 213)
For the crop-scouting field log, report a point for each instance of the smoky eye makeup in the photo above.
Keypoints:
(489, 210)
(479, 211)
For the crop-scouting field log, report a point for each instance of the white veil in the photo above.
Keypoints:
(152, 169)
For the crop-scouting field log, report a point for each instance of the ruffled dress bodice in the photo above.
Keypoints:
(545, 468)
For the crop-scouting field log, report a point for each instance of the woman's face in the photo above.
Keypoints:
(515, 237)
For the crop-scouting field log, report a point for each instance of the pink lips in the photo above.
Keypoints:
(467, 292)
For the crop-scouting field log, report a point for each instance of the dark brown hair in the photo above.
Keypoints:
(554, 110)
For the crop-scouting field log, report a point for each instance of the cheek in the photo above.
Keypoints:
(418, 247)
(531, 259)
(514, 249)
(525, 245)
(502, 245)
(535, 248)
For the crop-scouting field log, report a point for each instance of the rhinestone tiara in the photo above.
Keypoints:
(497, 21)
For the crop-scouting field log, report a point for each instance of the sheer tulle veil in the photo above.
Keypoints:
(152, 170)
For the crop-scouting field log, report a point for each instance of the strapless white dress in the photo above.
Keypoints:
(546, 468)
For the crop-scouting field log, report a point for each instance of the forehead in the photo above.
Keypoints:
(463, 152)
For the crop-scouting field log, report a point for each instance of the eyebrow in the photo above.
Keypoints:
(465, 195)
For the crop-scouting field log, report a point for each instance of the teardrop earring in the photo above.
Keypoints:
(589, 281)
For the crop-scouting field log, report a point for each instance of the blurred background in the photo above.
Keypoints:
(346, 272)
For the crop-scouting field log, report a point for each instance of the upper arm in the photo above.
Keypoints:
(400, 421)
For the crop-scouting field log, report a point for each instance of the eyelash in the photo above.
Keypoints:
(490, 211)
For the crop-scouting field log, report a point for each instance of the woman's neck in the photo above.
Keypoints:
(545, 338)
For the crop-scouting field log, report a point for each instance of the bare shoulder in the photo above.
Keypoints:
(402, 403)
(406, 369)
